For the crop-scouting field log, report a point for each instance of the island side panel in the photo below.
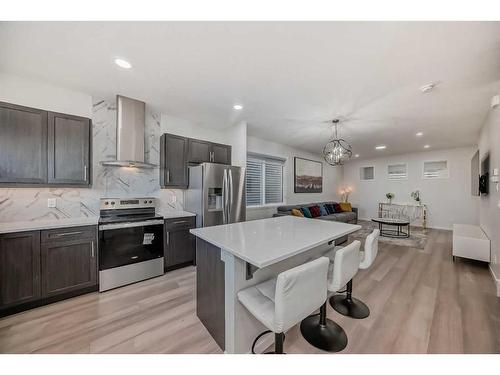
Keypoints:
(210, 286)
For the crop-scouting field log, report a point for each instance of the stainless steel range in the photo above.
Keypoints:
(130, 242)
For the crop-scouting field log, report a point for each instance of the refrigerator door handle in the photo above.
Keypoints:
(230, 205)
(224, 197)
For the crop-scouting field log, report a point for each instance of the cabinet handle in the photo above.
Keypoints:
(66, 234)
(168, 176)
(85, 173)
(180, 222)
(92, 248)
(168, 238)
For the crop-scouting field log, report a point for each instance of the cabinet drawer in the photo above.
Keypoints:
(69, 234)
(179, 223)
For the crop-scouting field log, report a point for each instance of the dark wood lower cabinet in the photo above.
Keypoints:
(180, 245)
(20, 278)
(68, 266)
(40, 267)
(210, 290)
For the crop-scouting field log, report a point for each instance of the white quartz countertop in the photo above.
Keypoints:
(173, 214)
(22, 226)
(268, 241)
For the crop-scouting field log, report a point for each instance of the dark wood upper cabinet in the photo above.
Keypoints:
(23, 145)
(173, 161)
(199, 151)
(221, 154)
(69, 140)
(177, 152)
(20, 275)
(43, 148)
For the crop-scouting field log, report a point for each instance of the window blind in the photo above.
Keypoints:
(264, 180)
(397, 172)
(436, 169)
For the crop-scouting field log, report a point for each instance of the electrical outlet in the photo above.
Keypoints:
(51, 202)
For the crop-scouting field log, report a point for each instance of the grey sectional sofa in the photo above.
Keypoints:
(345, 217)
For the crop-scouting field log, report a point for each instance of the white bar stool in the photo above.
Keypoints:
(282, 302)
(348, 305)
(319, 331)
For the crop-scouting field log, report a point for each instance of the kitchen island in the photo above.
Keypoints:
(232, 257)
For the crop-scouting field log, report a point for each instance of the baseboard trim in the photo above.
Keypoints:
(496, 279)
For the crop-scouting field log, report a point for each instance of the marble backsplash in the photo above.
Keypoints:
(27, 204)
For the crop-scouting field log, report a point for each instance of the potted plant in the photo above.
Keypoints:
(390, 196)
(416, 196)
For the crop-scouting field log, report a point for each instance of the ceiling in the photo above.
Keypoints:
(291, 77)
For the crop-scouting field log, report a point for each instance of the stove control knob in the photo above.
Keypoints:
(150, 201)
(112, 203)
(145, 202)
(106, 203)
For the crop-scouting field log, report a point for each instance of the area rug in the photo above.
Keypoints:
(417, 239)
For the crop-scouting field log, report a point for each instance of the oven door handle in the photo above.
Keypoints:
(130, 225)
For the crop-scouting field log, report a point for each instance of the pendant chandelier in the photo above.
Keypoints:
(337, 150)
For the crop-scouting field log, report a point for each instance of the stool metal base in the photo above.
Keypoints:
(323, 333)
(352, 307)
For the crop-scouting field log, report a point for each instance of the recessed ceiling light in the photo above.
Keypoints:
(419, 134)
(381, 147)
(427, 146)
(123, 63)
(237, 107)
(356, 156)
(428, 87)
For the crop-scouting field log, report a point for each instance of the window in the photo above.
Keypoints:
(397, 172)
(264, 180)
(435, 169)
(367, 173)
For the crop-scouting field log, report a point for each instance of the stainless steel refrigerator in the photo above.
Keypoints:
(216, 194)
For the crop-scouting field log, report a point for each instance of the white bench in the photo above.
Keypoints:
(469, 241)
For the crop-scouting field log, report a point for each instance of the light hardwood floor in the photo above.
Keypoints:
(420, 301)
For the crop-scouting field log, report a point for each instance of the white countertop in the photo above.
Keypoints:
(268, 241)
(22, 226)
(173, 214)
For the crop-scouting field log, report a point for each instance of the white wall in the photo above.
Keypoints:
(489, 209)
(332, 176)
(449, 200)
(45, 96)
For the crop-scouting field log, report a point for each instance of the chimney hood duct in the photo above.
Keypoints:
(130, 132)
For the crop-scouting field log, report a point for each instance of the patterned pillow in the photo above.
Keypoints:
(315, 211)
(306, 212)
(324, 211)
(346, 207)
(329, 208)
(337, 208)
(298, 213)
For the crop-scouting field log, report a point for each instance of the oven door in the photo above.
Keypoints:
(121, 244)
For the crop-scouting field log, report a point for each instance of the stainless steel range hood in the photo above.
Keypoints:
(130, 132)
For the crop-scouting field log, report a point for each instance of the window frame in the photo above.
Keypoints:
(444, 177)
(397, 178)
(361, 173)
(269, 160)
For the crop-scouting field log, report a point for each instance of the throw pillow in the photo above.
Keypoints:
(346, 207)
(337, 208)
(324, 211)
(298, 213)
(306, 212)
(315, 211)
(329, 208)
